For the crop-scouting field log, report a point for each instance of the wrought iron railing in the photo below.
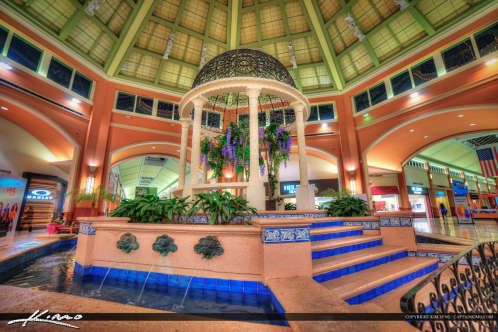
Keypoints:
(466, 285)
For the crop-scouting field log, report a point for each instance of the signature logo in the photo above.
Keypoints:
(46, 317)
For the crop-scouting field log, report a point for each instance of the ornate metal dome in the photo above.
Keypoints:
(243, 63)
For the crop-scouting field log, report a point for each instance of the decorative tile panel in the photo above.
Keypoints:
(367, 225)
(444, 258)
(86, 228)
(286, 235)
(396, 222)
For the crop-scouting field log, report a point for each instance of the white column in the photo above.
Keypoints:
(183, 152)
(255, 189)
(305, 196)
(196, 146)
(68, 200)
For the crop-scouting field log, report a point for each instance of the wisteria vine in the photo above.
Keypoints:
(232, 150)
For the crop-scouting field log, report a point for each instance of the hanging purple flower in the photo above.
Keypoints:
(229, 134)
(261, 132)
(203, 156)
(262, 169)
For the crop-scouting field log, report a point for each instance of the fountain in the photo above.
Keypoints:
(178, 307)
(98, 292)
(137, 301)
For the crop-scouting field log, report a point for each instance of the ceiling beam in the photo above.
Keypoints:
(233, 24)
(71, 23)
(128, 35)
(325, 44)
(95, 20)
(424, 23)
(365, 41)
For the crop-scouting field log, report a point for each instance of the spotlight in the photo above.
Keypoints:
(5, 66)
(426, 137)
(75, 101)
(460, 115)
(412, 130)
(472, 124)
(414, 95)
(4, 108)
(324, 125)
(491, 62)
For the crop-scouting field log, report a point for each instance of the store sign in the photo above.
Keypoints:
(459, 188)
(474, 196)
(413, 190)
(463, 211)
(439, 194)
(40, 195)
(288, 188)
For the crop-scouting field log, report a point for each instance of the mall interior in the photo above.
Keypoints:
(389, 103)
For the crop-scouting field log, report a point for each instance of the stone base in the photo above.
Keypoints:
(305, 197)
(256, 196)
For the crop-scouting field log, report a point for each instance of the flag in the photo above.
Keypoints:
(488, 160)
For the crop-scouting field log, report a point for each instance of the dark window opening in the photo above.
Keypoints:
(277, 117)
(424, 72)
(165, 110)
(401, 83)
(3, 37)
(125, 102)
(378, 93)
(82, 85)
(487, 40)
(290, 116)
(144, 105)
(24, 53)
(458, 55)
(59, 73)
(313, 114)
(361, 101)
(262, 119)
(326, 112)
(214, 120)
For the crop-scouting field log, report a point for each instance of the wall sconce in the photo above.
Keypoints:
(352, 182)
(90, 180)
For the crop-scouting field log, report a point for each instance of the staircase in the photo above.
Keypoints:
(357, 266)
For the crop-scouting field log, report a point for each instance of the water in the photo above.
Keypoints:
(55, 273)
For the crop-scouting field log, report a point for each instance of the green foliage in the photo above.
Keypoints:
(164, 245)
(99, 193)
(152, 209)
(127, 243)
(221, 207)
(290, 206)
(347, 206)
(276, 143)
(209, 247)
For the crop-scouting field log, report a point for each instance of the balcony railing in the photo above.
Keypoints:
(466, 285)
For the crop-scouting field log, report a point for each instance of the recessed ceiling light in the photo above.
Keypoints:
(5, 66)
(426, 137)
(460, 115)
(4, 108)
(491, 62)
(472, 124)
(414, 95)
(412, 130)
(153, 148)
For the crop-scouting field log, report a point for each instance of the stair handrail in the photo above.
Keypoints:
(468, 284)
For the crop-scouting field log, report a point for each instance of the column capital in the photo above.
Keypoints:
(199, 102)
(253, 92)
(297, 106)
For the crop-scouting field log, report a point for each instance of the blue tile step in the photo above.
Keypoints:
(366, 285)
(326, 248)
(326, 222)
(335, 232)
(338, 266)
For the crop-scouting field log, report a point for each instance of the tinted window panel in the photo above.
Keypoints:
(3, 37)
(487, 40)
(361, 101)
(244, 118)
(24, 53)
(176, 114)
(144, 105)
(165, 110)
(313, 114)
(277, 117)
(401, 83)
(125, 102)
(378, 94)
(290, 116)
(424, 72)
(59, 73)
(214, 120)
(261, 119)
(82, 85)
(326, 112)
(458, 55)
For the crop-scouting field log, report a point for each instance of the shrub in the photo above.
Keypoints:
(347, 206)
(221, 207)
(290, 206)
(152, 209)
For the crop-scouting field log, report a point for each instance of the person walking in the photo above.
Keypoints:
(443, 210)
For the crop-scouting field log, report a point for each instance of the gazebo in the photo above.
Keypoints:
(245, 76)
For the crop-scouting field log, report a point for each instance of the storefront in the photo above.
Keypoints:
(419, 200)
(442, 193)
(385, 198)
(43, 200)
(288, 190)
(442, 199)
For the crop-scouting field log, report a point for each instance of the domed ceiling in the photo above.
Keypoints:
(325, 44)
